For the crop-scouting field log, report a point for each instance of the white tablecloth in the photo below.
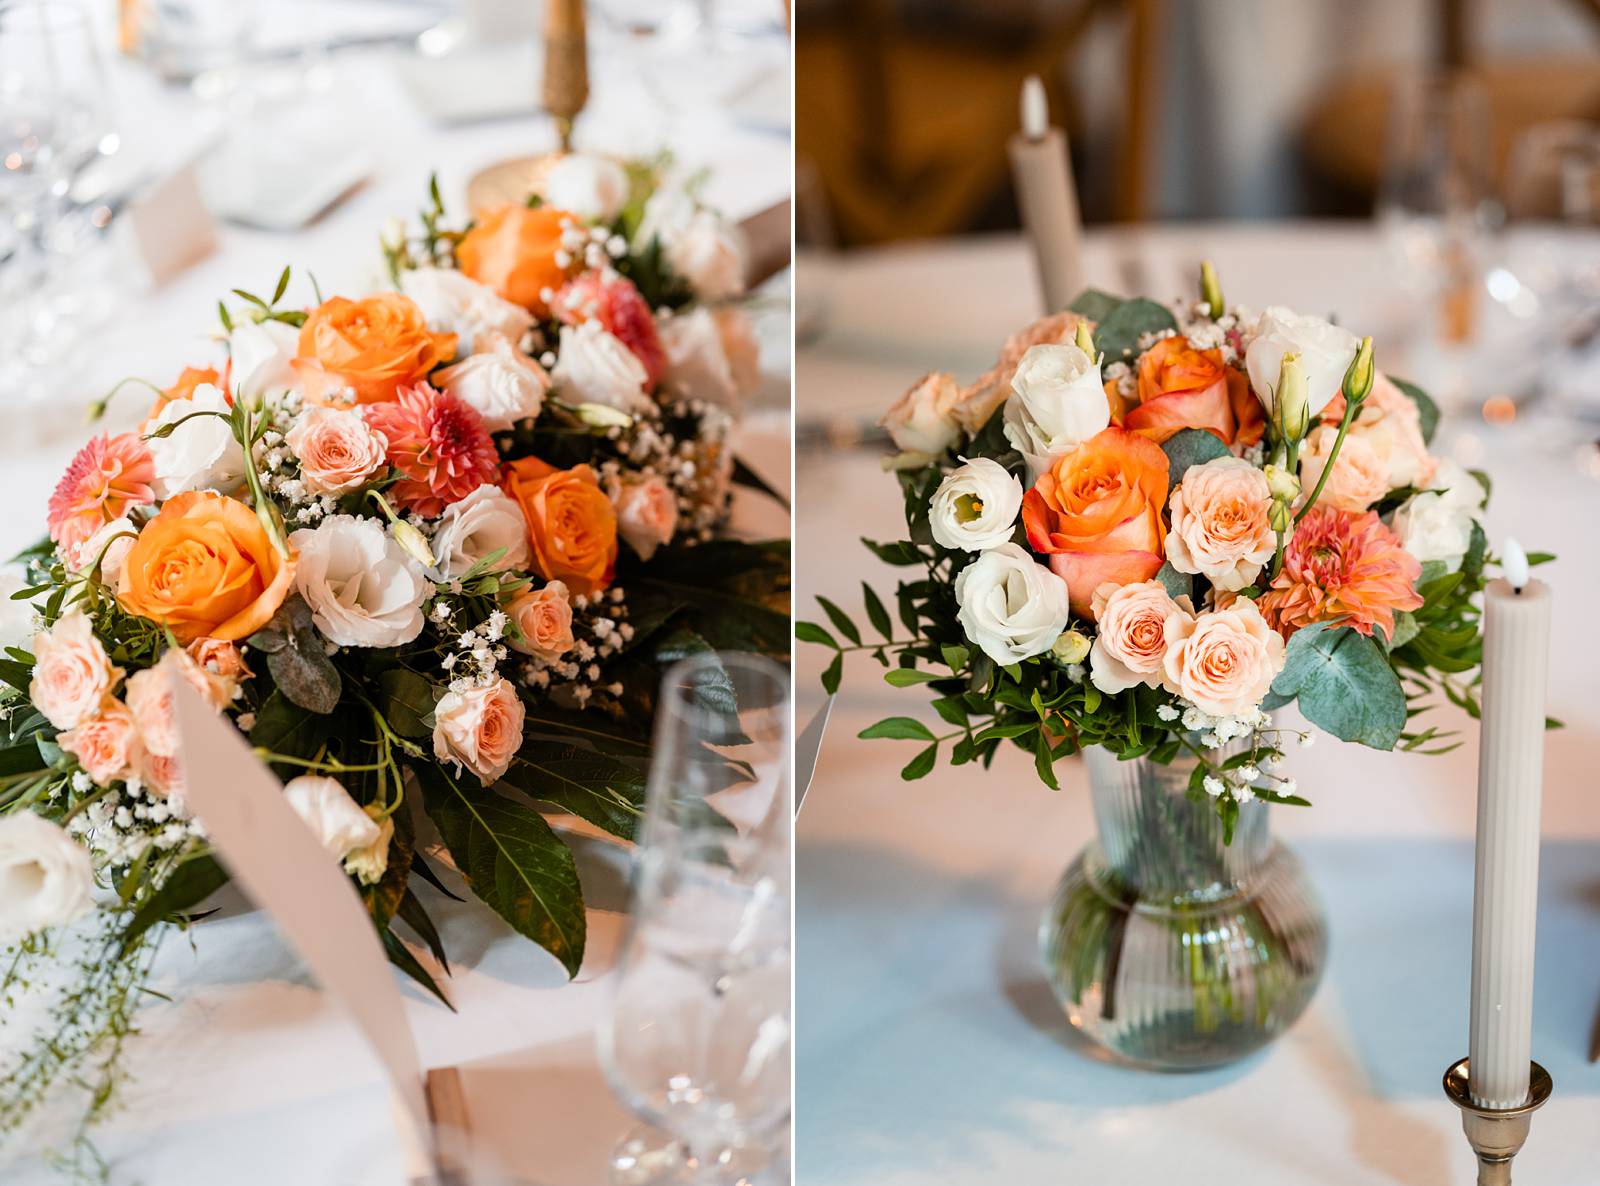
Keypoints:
(930, 1047)
(251, 1076)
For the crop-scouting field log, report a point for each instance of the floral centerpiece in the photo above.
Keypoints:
(430, 548)
(1139, 534)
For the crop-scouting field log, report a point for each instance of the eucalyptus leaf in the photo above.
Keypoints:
(1344, 684)
(1117, 336)
(1094, 304)
(1179, 584)
(1190, 446)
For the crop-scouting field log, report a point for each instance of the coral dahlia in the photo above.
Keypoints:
(108, 475)
(1346, 566)
(439, 445)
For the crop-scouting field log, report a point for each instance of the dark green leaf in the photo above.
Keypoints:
(841, 621)
(898, 728)
(832, 674)
(283, 286)
(905, 677)
(877, 612)
(185, 888)
(400, 956)
(1044, 763)
(411, 913)
(745, 476)
(610, 794)
(406, 701)
(899, 552)
(1427, 410)
(285, 728)
(16, 675)
(513, 860)
(811, 632)
(920, 765)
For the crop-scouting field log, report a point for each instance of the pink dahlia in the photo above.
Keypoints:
(616, 304)
(1345, 566)
(439, 445)
(109, 475)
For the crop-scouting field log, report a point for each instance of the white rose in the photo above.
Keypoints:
(647, 515)
(1326, 352)
(335, 819)
(201, 452)
(499, 382)
(46, 879)
(712, 355)
(363, 590)
(1436, 524)
(479, 525)
(110, 546)
(263, 354)
(975, 508)
(454, 304)
(1057, 402)
(1012, 607)
(921, 422)
(594, 367)
(595, 188)
(702, 247)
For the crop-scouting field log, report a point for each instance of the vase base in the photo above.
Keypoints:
(1184, 981)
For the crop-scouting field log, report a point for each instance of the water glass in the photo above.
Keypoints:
(696, 1042)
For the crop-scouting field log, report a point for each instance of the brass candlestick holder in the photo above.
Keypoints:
(564, 91)
(1496, 1134)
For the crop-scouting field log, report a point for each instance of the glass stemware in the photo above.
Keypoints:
(696, 1041)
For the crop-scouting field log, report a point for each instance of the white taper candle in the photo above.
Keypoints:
(1516, 664)
(1042, 173)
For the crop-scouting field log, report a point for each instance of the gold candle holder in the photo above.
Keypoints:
(564, 92)
(1496, 1134)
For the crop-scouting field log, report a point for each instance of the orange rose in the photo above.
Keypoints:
(205, 568)
(513, 250)
(191, 378)
(571, 523)
(375, 345)
(1097, 514)
(1181, 387)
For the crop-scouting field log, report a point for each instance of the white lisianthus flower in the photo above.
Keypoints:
(263, 354)
(363, 590)
(711, 354)
(1326, 352)
(1057, 402)
(1012, 607)
(976, 506)
(46, 879)
(482, 523)
(201, 452)
(921, 422)
(335, 819)
(368, 863)
(454, 304)
(499, 382)
(1436, 524)
(647, 515)
(702, 247)
(594, 367)
(594, 188)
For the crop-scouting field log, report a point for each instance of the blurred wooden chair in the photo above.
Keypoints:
(903, 111)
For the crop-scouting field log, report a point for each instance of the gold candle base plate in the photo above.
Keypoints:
(509, 181)
(1496, 1134)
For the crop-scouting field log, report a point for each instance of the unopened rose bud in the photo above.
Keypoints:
(1291, 402)
(1280, 516)
(1358, 379)
(602, 416)
(1211, 291)
(1282, 483)
(413, 543)
(1071, 647)
(394, 234)
(1085, 339)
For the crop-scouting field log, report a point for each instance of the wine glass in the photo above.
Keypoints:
(696, 1041)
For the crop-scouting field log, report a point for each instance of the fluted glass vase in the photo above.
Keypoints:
(1168, 948)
